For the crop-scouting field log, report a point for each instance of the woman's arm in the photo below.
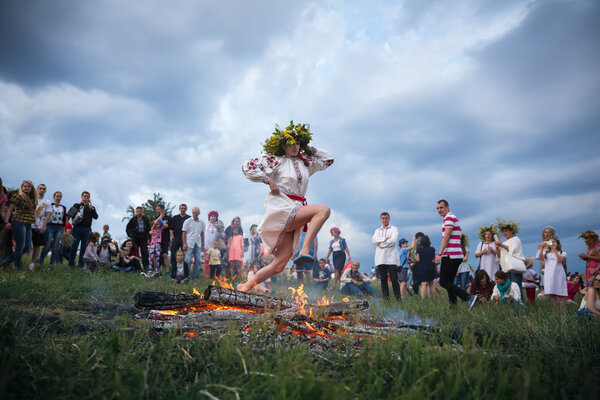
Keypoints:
(348, 252)
(328, 254)
(479, 251)
(590, 301)
(321, 160)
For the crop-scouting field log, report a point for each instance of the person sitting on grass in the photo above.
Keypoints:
(90, 257)
(590, 304)
(104, 253)
(323, 276)
(355, 282)
(574, 287)
(482, 286)
(261, 287)
(127, 261)
(506, 291)
(180, 272)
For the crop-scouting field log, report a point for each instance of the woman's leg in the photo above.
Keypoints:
(424, 290)
(315, 216)
(336, 277)
(431, 286)
(284, 253)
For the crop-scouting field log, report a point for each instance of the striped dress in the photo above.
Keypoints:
(453, 249)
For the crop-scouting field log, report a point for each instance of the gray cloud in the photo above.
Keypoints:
(491, 105)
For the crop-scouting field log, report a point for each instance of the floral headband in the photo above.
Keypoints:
(588, 235)
(511, 224)
(483, 229)
(292, 134)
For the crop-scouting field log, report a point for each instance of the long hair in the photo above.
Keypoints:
(480, 274)
(93, 237)
(425, 241)
(32, 197)
(552, 232)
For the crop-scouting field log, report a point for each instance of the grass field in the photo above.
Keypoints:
(69, 334)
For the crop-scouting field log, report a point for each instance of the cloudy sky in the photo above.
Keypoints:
(492, 105)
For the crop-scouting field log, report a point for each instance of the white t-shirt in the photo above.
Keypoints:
(194, 230)
(180, 266)
(39, 221)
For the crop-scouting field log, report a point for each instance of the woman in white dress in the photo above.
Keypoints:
(513, 250)
(487, 251)
(555, 278)
(286, 168)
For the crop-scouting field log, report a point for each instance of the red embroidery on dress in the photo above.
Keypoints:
(298, 173)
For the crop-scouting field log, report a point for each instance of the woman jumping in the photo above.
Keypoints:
(286, 168)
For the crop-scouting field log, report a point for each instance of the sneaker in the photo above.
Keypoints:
(31, 267)
(471, 302)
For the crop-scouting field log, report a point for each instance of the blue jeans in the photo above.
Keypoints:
(321, 286)
(463, 278)
(22, 237)
(351, 288)
(195, 251)
(52, 240)
(81, 236)
(517, 277)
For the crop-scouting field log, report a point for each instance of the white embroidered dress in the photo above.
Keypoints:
(291, 175)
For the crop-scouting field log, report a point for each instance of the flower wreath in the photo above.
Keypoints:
(293, 133)
(511, 224)
(483, 229)
(589, 235)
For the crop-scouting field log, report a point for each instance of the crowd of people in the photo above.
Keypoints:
(184, 246)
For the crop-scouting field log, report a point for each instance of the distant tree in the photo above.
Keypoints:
(150, 208)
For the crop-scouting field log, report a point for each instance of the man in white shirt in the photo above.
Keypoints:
(193, 240)
(387, 258)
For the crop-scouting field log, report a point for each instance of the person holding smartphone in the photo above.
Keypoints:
(82, 227)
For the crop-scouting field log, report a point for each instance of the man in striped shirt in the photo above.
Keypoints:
(450, 253)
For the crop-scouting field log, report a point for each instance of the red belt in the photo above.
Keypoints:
(297, 198)
(303, 201)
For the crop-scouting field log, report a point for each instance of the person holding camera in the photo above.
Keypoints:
(81, 215)
(553, 260)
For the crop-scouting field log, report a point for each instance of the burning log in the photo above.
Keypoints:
(339, 309)
(203, 322)
(166, 301)
(233, 298)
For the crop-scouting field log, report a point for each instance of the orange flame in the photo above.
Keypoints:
(195, 291)
(223, 282)
(300, 297)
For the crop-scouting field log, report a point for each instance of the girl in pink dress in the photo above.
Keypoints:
(154, 254)
(235, 252)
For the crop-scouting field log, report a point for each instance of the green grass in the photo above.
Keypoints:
(69, 334)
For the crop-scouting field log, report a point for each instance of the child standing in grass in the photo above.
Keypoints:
(180, 272)
(154, 254)
(235, 251)
(214, 259)
(529, 282)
